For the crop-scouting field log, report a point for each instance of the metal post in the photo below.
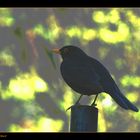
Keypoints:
(84, 118)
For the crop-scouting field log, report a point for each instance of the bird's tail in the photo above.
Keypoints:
(121, 99)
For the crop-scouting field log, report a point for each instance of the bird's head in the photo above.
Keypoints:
(69, 52)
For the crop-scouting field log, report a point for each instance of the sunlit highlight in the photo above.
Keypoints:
(135, 20)
(74, 32)
(107, 102)
(24, 86)
(114, 37)
(41, 125)
(113, 16)
(89, 34)
(133, 96)
(68, 98)
(130, 81)
(99, 17)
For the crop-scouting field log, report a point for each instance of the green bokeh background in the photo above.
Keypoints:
(33, 95)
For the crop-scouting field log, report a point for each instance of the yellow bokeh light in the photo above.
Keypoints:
(114, 37)
(132, 96)
(74, 31)
(40, 85)
(101, 123)
(49, 125)
(113, 16)
(99, 17)
(135, 20)
(130, 81)
(136, 115)
(24, 86)
(107, 35)
(68, 100)
(89, 34)
(108, 103)
(123, 29)
(43, 124)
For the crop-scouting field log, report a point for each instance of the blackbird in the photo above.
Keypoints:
(88, 76)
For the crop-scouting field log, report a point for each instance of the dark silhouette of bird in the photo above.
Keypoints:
(88, 76)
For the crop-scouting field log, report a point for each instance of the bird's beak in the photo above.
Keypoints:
(56, 50)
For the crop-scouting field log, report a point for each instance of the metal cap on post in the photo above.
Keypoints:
(84, 118)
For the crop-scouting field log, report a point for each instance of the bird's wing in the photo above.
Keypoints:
(82, 77)
(100, 69)
(79, 74)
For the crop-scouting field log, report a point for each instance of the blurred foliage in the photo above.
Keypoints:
(128, 81)
(33, 95)
(43, 124)
(5, 17)
(24, 86)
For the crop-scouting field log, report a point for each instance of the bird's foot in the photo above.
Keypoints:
(71, 106)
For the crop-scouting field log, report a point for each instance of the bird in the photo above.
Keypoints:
(87, 76)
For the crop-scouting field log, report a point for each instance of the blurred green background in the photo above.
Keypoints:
(33, 95)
